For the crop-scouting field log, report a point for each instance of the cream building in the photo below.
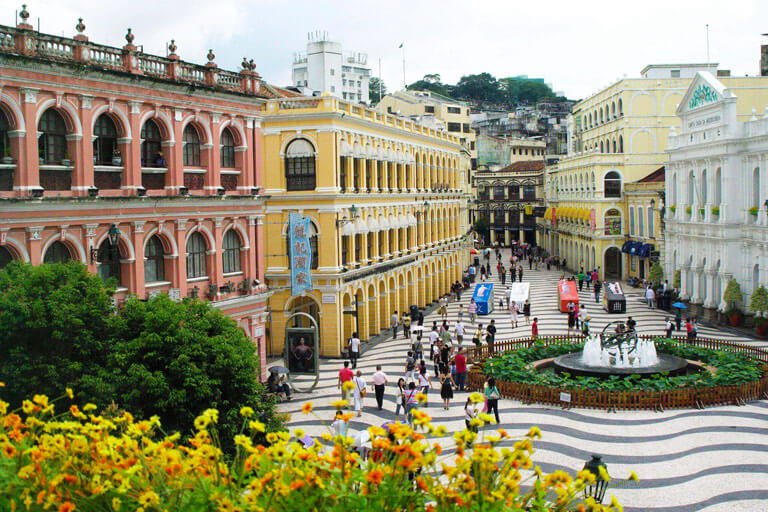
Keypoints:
(388, 215)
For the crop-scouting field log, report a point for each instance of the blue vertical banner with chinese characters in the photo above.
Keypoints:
(301, 253)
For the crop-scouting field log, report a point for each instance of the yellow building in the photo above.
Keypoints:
(525, 150)
(389, 216)
(644, 204)
(616, 136)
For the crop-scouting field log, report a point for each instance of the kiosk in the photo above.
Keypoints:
(567, 292)
(614, 300)
(518, 293)
(483, 297)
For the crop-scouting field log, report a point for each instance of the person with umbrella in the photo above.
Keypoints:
(679, 315)
(277, 385)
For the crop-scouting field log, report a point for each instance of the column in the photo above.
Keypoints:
(130, 150)
(82, 178)
(213, 173)
(710, 301)
(724, 278)
(27, 167)
(179, 270)
(137, 269)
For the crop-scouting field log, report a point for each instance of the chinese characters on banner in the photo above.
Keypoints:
(300, 252)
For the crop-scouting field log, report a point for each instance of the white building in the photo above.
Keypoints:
(717, 190)
(324, 68)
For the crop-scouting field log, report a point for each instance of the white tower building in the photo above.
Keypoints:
(324, 68)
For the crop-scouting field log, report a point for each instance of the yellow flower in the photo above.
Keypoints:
(244, 441)
(28, 407)
(306, 408)
(298, 433)
(486, 417)
(202, 422)
(40, 400)
(421, 398)
(256, 426)
(615, 504)
(2, 384)
(348, 386)
(272, 438)
(534, 433)
(339, 404)
(476, 422)
(116, 504)
(149, 498)
(246, 412)
(440, 431)
(604, 474)
(633, 476)
(70, 394)
(89, 407)
(476, 397)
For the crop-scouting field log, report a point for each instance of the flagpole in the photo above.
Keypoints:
(380, 83)
(405, 84)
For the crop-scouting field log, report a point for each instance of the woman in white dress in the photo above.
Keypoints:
(357, 393)
(513, 314)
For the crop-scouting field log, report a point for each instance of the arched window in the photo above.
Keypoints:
(650, 222)
(300, 166)
(704, 187)
(602, 148)
(313, 245)
(53, 138)
(154, 263)
(191, 146)
(109, 261)
(613, 146)
(673, 182)
(613, 109)
(621, 143)
(691, 188)
(756, 187)
(612, 184)
(196, 256)
(718, 191)
(151, 141)
(621, 107)
(231, 254)
(612, 221)
(755, 277)
(105, 142)
(631, 221)
(5, 126)
(57, 252)
(5, 257)
(227, 149)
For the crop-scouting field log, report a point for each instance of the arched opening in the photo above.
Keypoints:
(152, 156)
(300, 165)
(53, 151)
(105, 153)
(108, 257)
(621, 143)
(602, 148)
(718, 191)
(755, 277)
(716, 291)
(673, 182)
(612, 222)
(231, 252)
(196, 248)
(57, 252)
(756, 187)
(303, 304)
(691, 188)
(621, 107)
(154, 262)
(612, 263)
(703, 281)
(6, 175)
(612, 184)
(227, 151)
(5, 257)
(191, 146)
(703, 187)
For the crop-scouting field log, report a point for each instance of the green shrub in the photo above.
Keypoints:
(656, 273)
(676, 280)
(732, 295)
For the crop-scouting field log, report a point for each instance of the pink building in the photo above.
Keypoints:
(147, 169)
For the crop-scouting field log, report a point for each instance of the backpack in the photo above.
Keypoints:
(410, 364)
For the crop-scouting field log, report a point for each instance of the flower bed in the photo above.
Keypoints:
(740, 376)
(80, 460)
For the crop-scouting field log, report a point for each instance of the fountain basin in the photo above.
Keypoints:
(572, 364)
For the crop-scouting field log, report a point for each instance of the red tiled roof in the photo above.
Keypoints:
(656, 176)
(524, 166)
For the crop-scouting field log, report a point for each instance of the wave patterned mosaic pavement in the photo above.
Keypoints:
(713, 460)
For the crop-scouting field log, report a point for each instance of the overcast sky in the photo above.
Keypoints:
(576, 46)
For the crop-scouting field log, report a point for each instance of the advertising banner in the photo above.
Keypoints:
(483, 297)
(300, 253)
(567, 292)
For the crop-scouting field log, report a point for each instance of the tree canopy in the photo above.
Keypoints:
(375, 93)
(485, 88)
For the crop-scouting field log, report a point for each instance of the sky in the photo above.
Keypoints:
(578, 47)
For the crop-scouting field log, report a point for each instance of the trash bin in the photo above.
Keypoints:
(614, 300)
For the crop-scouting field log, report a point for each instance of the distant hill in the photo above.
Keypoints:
(485, 91)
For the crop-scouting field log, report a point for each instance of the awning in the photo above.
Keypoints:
(360, 227)
(634, 248)
(645, 250)
(584, 214)
(548, 214)
(345, 149)
(625, 248)
(348, 229)
(373, 226)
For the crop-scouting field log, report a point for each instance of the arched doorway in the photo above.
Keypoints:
(612, 263)
(303, 305)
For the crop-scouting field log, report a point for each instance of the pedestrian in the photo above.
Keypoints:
(491, 336)
(576, 307)
(424, 383)
(379, 385)
(354, 349)
(689, 330)
(695, 328)
(460, 314)
(406, 325)
(421, 318)
(530, 263)
(571, 317)
(339, 425)
(446, 388)
(417, 348)
(595, 276)
(513, 314)
(433, 337)
(596, 285)
(668, 326)
(477, 338)
(503, 274)
(472, 310)
(520, 273)
(527, 312)
(488, 269)
(393, 322)
(585, 326)
(400, 397)
(410, 367)
(411, 402)
(492, 396)
(443, 309)
(678, 320)
(436, 357)
(580, 276)
(458, 331)
(631, 323)
(461, 369)
(582, 314)
(650, 296)
(512, 274)
(469, 414)
(535, 328)
(588, 279)
(345, 375)
(358, 393)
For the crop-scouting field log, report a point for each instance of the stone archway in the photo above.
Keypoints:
(612, 263)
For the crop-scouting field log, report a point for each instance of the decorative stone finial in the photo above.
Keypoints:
(129, 37)
(210, 55)
(172, 47)
(80, 27)
(245, 63)
(24, 14)
(252, 65)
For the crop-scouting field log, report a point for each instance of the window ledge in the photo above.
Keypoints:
(7, 166)
(154, 170)
(233, 274)
(121, 289)
(197, 279)
(108, 168)
(46, 167)
(157, 284)
(230, 171)
(195, 170)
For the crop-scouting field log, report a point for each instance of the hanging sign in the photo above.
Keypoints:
(300, 253)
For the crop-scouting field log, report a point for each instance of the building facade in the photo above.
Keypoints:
(643, 243)
(616, 136)
(716, 183)
(146, 169)
(325, 68)
(388, 215)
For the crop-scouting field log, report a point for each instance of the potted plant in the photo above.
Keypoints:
(66, 162)
(688, 209)
(117, 158)
(41, 156)
(673, 208)
(7, 159)
(758, 303)
(753, 211)
(732, 297)
(676, 280)
(716, 210)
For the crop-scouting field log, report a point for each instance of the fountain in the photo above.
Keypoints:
(618, 352)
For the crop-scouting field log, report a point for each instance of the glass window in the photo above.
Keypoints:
(640, 221)
(227, 149)
(650, 222)
(5, 257)
(151, 154)
(454, 110)
(231, 254)
(53, 139)
(612, 184)
(300, 165)
(612, 222)
(191, 146)
(106, 140)
(196, 256)
(631, 221)
(4, 128)
(154, 263)
(109, 261)
(529, 192)
(57, 253)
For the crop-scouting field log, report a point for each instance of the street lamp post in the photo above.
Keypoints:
(596, 490)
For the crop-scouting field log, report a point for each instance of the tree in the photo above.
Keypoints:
(732, 295)
(482, 228)
(758, 303)
(430, 82)
(376, 90)
(656, 273)
(482, 88)
(53, 321)
(177, 359)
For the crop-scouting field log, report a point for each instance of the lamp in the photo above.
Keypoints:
(597, 490)
(220, 191)
(114, 235)
(353, 211)
(653, 203)
(766, 205)
(141, 191)
(93, 191)
(183, 191)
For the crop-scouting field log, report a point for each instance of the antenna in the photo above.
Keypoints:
(707, 43)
